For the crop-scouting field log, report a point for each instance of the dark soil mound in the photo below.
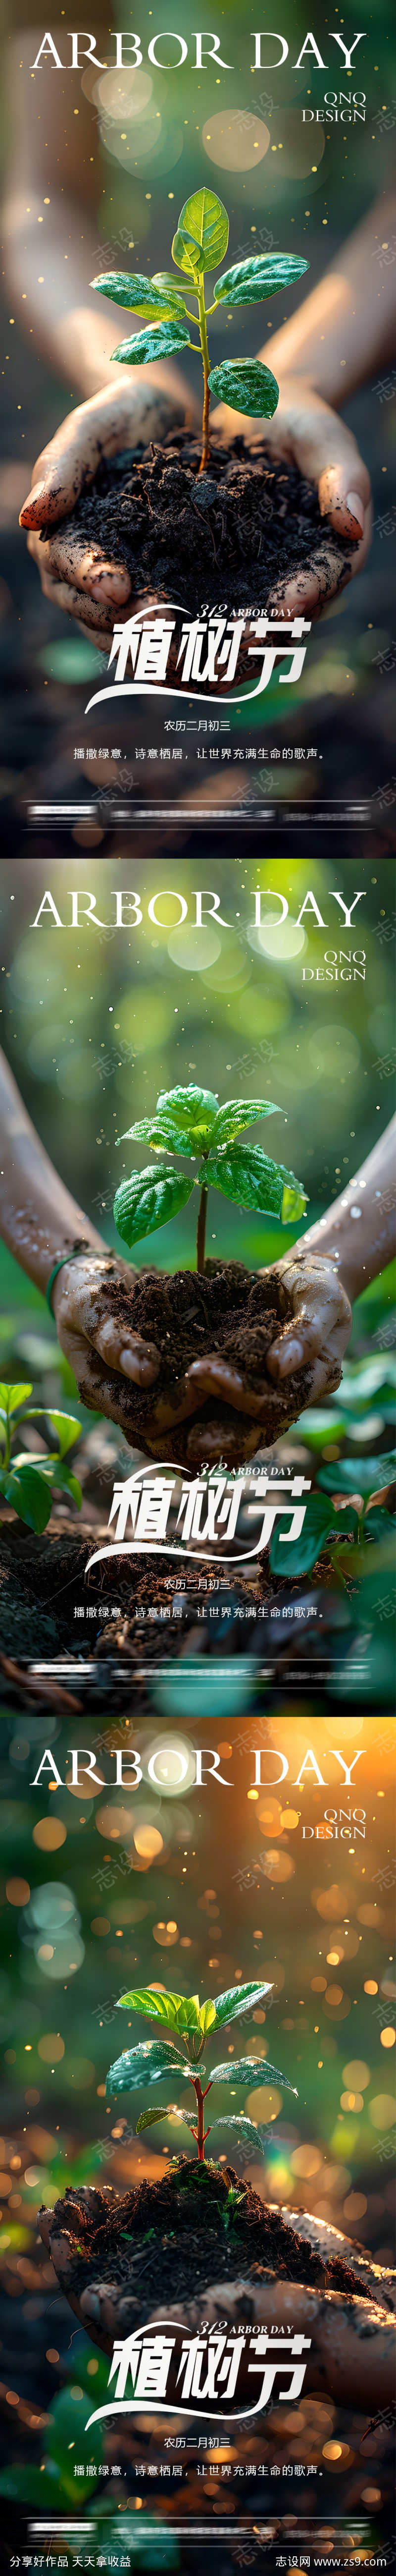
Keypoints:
(232, 532)
(227, 1310)
(166, 2239)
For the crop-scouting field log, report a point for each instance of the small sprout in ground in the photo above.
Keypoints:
(188, 1121)
(200, 241)
(28, 1479)
(156, 2061)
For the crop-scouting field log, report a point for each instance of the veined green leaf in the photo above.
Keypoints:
(170, 285)
(247, 386)
(250, 2070)
(187, 254)
(294, 1201)
(235, 1114)
(26, 1489)
(237, 2000)
(244, 1173)
(207, 2017)
(67, 1429)
(189, 1105)
(321, 1522)
(154, 343)
(148, 1199)
(12, 1396)
(204, 216)
(166, 2111)
(246, 2127)
(138, 294)
(251, 280)
(182, 2010)
(146, 2064)
(356, 1475)
(162, 1131)
(59, 1474)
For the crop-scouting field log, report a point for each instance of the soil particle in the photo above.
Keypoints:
(166, 2239)
(225, 1310)
(238, 531)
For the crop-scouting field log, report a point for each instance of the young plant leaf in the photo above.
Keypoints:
(187, 253)
(67, 1429)
(165, 2111)
(169, 286)
(145, 1202)
(357, 1475)
(246, 386)
(146, 2064)
(204, 216)
(12, 1396)
(26, 1489)
(235, 1114)
(207, 2017)
(138, 294)
(182, 2010)
(250, 2070)
(161, 1130)
(321, 1522)
(58, 1474)
(154, 343)
(247, 1175)
(237, 2000)
(253, 279)
(189, 1105)
(246, 2127)
(294, 1201)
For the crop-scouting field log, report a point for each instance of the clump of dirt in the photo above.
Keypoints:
(228, 1310)
(166, 2239)
(236, 530)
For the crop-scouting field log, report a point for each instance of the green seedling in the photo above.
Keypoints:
(28, 1478)
(178, 2060)
(188, 1121)
(200, 241)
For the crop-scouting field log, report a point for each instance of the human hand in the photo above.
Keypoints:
(89, 1303)
(342, 2328)
(75, 576)
(308, 434)
(316, 1326)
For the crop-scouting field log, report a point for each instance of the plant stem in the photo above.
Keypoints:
(202, 2133)
(205, 362)
(201, 1230)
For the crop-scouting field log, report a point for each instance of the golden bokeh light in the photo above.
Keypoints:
(115, 1823)
(49, 1833)
(356, 2074)
(382, 2111)
(270, 1816)
(306, 2160)
(234, 143)
(51, 2047)
(265, 2102)
(148, 1841)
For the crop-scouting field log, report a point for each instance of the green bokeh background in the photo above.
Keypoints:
(96, 1021)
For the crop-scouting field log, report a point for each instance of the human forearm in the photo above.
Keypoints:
(40, 1221)
(344, 331)
(359, 1230)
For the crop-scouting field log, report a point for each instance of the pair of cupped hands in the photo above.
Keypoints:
(103, 1354)
(304, 431)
